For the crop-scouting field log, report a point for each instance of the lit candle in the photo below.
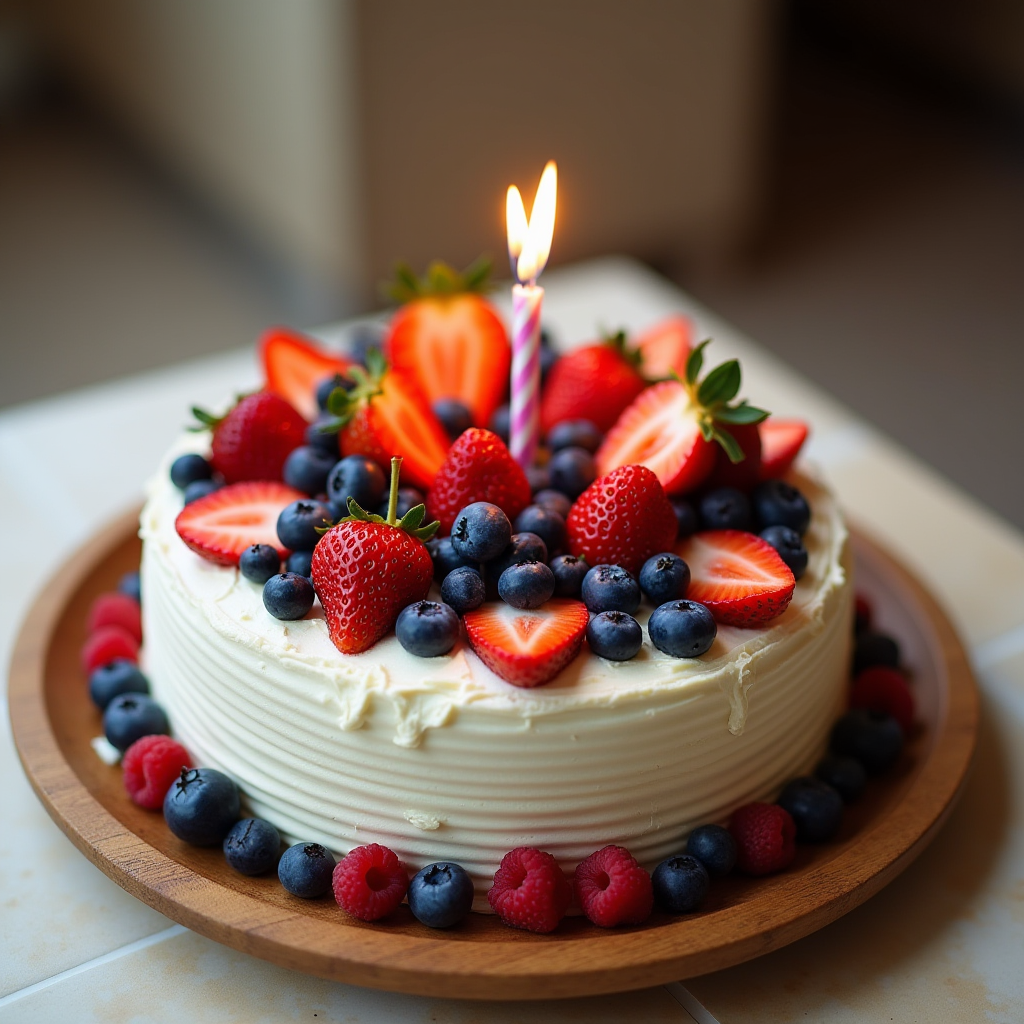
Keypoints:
(529, 243)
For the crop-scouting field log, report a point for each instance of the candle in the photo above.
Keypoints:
(529, 243)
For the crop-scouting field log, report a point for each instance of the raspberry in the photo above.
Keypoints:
(151, 765)
(765, 838)
(529, 890)
(115, 609)
(370, 882)
(613, 889)
(884, 690)
(106, 644)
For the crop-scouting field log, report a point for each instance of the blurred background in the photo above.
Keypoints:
(843, 179)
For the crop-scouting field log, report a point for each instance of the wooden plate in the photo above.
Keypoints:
(54, 721)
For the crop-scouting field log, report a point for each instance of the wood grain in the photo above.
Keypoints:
(53, 722)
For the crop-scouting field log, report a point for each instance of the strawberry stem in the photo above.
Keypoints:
(396, 465)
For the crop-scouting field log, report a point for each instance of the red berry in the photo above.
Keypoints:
(862, 615)
(106, 644)
(529, 890)
(370, 882)
(151, 765)
(781, 441)
(116, 609)
(613, 889)
(883, 689)
(765, 838)
(293, 366)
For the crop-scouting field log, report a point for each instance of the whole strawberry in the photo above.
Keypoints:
(252, 440)
(478, 468)
(622, 519)
(368, 568)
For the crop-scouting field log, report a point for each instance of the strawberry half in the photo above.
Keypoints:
(740, 577)
(293, 366)
(222, 525)
(665, 348)
(781, 441)
(527, 648)
(449, 339)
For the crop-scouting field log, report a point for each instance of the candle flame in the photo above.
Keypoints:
(516, 225)
(529, 242)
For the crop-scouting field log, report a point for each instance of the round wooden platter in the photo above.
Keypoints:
(54, 722)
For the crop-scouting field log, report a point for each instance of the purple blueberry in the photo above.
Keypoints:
(441, 895)
(609, 588)
(252, 847)
(686, 517)
(616, 636)
(816, 809)
(288, 596)
(777, 503)
(680, 884)
(463, 588)
(201, 806)
(569, 575)
(259, 562)
(116, 677)
(725, 509)
(572, 470)
(790, 546)
(306, 870)
(427, 629)
(454, 416)
(873, 739)
(574, 434)
(714, 847)
(526, 584)
(130, 716)
(682, 629)
(306, 469)
(187, 469)
(554, 501)
(547, 525)
(358, 477)
(845, 775)
(481, 531)
(664, 577)
(199, 489)
(499, 423)
(298, 523)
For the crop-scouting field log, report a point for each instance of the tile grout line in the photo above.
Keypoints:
(698, 1012)
(99, 961)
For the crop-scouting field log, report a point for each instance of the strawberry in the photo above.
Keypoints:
(252, 440)
(595, 382)
(385, 414)
(781, 441)
(622, 519)
(527, 647)
(665, 348)
(739, 576)
(670, 427)
(368, 568)
(449, 339)
(222, 525)
(293, 366)
(745, 474)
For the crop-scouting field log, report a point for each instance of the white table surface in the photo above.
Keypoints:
(944, 942)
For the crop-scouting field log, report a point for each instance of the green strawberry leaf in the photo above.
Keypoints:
(695, 361)
(720, 385)
(412, 519)
(440, 279)
(729, 443)
(741, 414)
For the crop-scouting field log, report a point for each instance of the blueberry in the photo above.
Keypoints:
(526, 584)
(288, 596)
(548, 358)
(408, 497)
(463, 588)
(686, 517)
(131, 716)
(322, 440)
(306, 469)
(569, 574)
(572, 471)
(546, 338)
(608, 588)
(187, 469)
(871, 738)
(325, 386)
(116, 677)
(355, 476)
(538, 478)
(199, 489)
(714, 847)
(201, 806)
(364, 337)
(725, 509)
(427, 629)
(875, 649)
(306, 870)
(300, 563)
(682, 629)
(615, 636)
(845, 775)
(523, 547)
(454, 416)
(680, 884)
(500, 421)
(481, 531)
(664, 577)
(574, 434)
(252, 846)
(788, 543)
(298, 523)
(777, 503)
(547, 525)
(446, 558)
(259, 562)
(441, 895)
(131, 584)
(554, 501)
(816, 809)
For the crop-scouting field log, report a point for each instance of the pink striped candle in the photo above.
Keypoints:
(524, 411)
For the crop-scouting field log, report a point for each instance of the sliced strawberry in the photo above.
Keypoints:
(781, 441)
(222, 525)
(665, 348)
(745, 474)
(527, 648)
(293, 365)
(740, 577)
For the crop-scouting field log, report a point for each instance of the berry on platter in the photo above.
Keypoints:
(427, 629)
(614, 635)
(681, 884)
(570, 573)
(863, 614)
(665, 347)
(815, 807)
(441, 895)
(201, 806)
(299, 524)
(294, 366)
(478, 467)
(545, 523)
(199, 489)
(150, 765)
(306, 870)
(714, 847)
(463, 588)
(114, 678)
(765, 838)
(222, 525)
(527, 647)
(453, 415)
(777, 503)
(790, 547)
(682, 629)
(288, 596)
(530, 891)
(258, 562)
(252, 847)
(306, 468)
(875, 649)
(781, 441)
(664, 577)
(130, 716)
(370, 882)
(884, 690)
(571, 471)
(610, 588)
(613, 889)
(188, 468)
(116, 609)
(622, 519)
(845, 775)
(574, 434)
(873, 739)
(739, 576)
(356, 477)
(526, 584)
(131, 584)
(108, 643)
(725, 509)
(481, 531)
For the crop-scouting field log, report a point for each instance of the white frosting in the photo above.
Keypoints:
(440, 759)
